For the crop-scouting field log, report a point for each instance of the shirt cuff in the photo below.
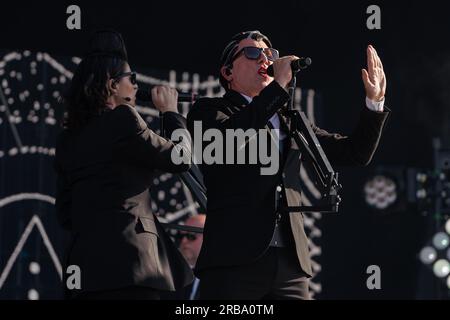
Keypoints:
(375, 105)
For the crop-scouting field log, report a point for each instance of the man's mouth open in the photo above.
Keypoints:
(263, 72)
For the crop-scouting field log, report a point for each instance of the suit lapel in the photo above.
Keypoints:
(238, 102)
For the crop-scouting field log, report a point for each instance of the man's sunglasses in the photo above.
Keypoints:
(253, 53)
(132, 76)
(189, 236)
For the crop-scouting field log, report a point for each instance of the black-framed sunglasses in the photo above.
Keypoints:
(189, 236)
(253, 53)
(131, 74)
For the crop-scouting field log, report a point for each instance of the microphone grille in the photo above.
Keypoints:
(307, 61)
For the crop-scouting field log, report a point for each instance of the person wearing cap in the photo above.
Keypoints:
(252, 249)
(106, 159)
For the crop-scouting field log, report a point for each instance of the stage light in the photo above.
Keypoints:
(34, 268)
(421, 177)
(421, 194)
(380, 192)
(33, 295)
(441, 268)
(447, 226)
(436, 255)
(428, 255)
(440, 240)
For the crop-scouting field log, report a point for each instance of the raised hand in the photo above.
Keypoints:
(374, 78)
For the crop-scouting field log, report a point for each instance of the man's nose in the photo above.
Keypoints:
(263, 58)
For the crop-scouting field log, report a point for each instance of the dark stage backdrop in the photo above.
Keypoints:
(189, 36)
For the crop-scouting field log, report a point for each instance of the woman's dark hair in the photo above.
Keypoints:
(86, 97)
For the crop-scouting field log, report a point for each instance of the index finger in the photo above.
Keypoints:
(370, 59)
(154, 92)
(378, 60)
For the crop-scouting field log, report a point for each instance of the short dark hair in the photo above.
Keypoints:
(231, 48)
(87, 94)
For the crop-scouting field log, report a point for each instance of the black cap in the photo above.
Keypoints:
(107, 43)
(232, 46)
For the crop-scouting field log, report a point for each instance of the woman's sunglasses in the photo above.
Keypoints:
(132, 76)
(189, 236)
(253, 53)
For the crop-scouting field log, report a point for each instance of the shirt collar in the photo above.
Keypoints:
(249, 99)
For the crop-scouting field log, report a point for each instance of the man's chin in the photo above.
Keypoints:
(266, 82)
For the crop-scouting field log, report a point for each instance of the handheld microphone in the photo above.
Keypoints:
(146, 96)
(296, 65)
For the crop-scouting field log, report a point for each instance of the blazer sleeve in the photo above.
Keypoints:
(63, 190)
(359, 147)
(254, 115)
(135, 143)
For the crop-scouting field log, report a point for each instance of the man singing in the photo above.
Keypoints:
(251, 249)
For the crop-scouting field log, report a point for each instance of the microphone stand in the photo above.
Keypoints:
(300, 130)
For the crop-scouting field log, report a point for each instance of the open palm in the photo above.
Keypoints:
(374, 78)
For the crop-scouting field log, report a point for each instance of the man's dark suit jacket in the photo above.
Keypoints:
(103, 174)
(241, 208)
(182, 294)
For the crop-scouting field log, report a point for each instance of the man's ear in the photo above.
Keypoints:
(226, 73)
